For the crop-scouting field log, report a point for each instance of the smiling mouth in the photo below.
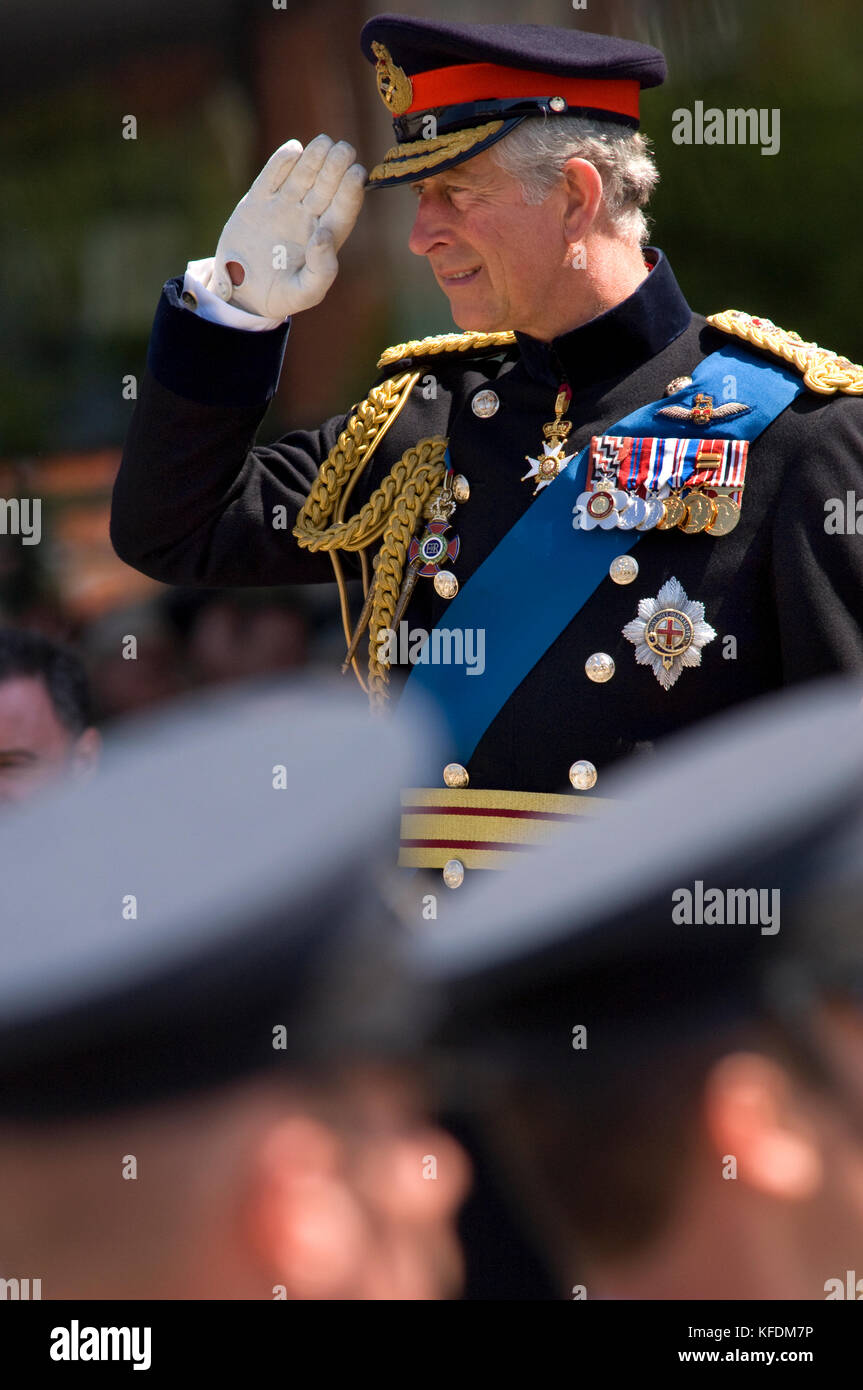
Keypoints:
(460, 277)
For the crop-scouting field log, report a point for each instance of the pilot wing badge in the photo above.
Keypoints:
(703, 411)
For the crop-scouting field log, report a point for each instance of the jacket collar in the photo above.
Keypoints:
(617, 341)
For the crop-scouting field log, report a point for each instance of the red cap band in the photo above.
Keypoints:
(490, 82)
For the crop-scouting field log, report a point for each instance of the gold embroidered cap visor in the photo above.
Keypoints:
(454, 90)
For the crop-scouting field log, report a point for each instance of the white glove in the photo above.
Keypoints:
(286, 231)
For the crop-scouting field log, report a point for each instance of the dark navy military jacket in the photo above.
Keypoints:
(194, 499)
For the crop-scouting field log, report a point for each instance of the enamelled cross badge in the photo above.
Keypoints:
(552, 460)
(638, 483)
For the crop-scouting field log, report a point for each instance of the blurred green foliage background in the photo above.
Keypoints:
(92, 223)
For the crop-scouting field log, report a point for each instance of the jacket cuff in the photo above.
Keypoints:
(208, 362)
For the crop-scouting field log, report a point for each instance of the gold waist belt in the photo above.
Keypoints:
(483, 829)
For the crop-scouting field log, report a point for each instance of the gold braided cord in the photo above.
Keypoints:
(339, 473)
(403, 385)
(350, 452)
(391, 514)
(823, 371)
(369, 523)
(445, 342)
(336, 563)
(424, 470)
(416, 155)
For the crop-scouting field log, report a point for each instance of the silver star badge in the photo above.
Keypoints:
(546, 468)
(669, 633)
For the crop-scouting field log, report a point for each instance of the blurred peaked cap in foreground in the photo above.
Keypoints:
(249, 900)
(769, 796)
(479, 81)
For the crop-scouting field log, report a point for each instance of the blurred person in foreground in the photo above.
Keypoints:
(203, 1087)
(665, 1024)
(45, 715)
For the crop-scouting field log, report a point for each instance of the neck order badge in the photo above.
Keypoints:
(560, 567)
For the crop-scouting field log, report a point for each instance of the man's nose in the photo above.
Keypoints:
(430, 229)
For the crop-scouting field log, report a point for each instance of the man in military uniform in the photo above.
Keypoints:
(202, 1089)
(609, 520)
(663, 1016)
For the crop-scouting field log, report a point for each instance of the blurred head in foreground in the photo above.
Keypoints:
(667, 1019)
(45, 729)
(205, 1089)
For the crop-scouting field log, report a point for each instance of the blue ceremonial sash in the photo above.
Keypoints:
(542, 572)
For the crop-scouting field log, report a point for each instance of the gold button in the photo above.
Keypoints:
(485, 404)
(599, 667)
(445, 584)
(558, 103)
(189, 299)
(583, 775)
(453, 873)
(677, 384)
(460, 488)
(454, 775)
(623, 569)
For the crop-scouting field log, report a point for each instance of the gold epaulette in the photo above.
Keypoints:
(444, 342)
(823, 371)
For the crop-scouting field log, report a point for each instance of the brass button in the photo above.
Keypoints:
(454, 775)
(189, 299)
(623, 569)
(599, 667)
(485, 404)
(445, 584)
(583, 775)
(677, 384)
(453, 873)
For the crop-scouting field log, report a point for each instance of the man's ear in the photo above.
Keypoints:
(583, 194)
(754, 1110)
(301, 1219)
(86, 753)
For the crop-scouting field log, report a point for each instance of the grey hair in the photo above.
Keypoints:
(536, 151)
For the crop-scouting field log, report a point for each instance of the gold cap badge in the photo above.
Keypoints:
(394, 85)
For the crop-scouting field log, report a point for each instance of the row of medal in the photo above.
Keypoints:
(636, 484)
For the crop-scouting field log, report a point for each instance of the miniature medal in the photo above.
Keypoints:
(433, 549)
(700, 511)
(633, 513)
(654, 512)
(727, 513)
(553, 460)
(675, 512)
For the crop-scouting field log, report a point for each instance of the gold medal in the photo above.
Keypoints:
(700, 512)
(552, 460)
(675, 512)
(727, 515)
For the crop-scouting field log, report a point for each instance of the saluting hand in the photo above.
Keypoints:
(277, 252)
